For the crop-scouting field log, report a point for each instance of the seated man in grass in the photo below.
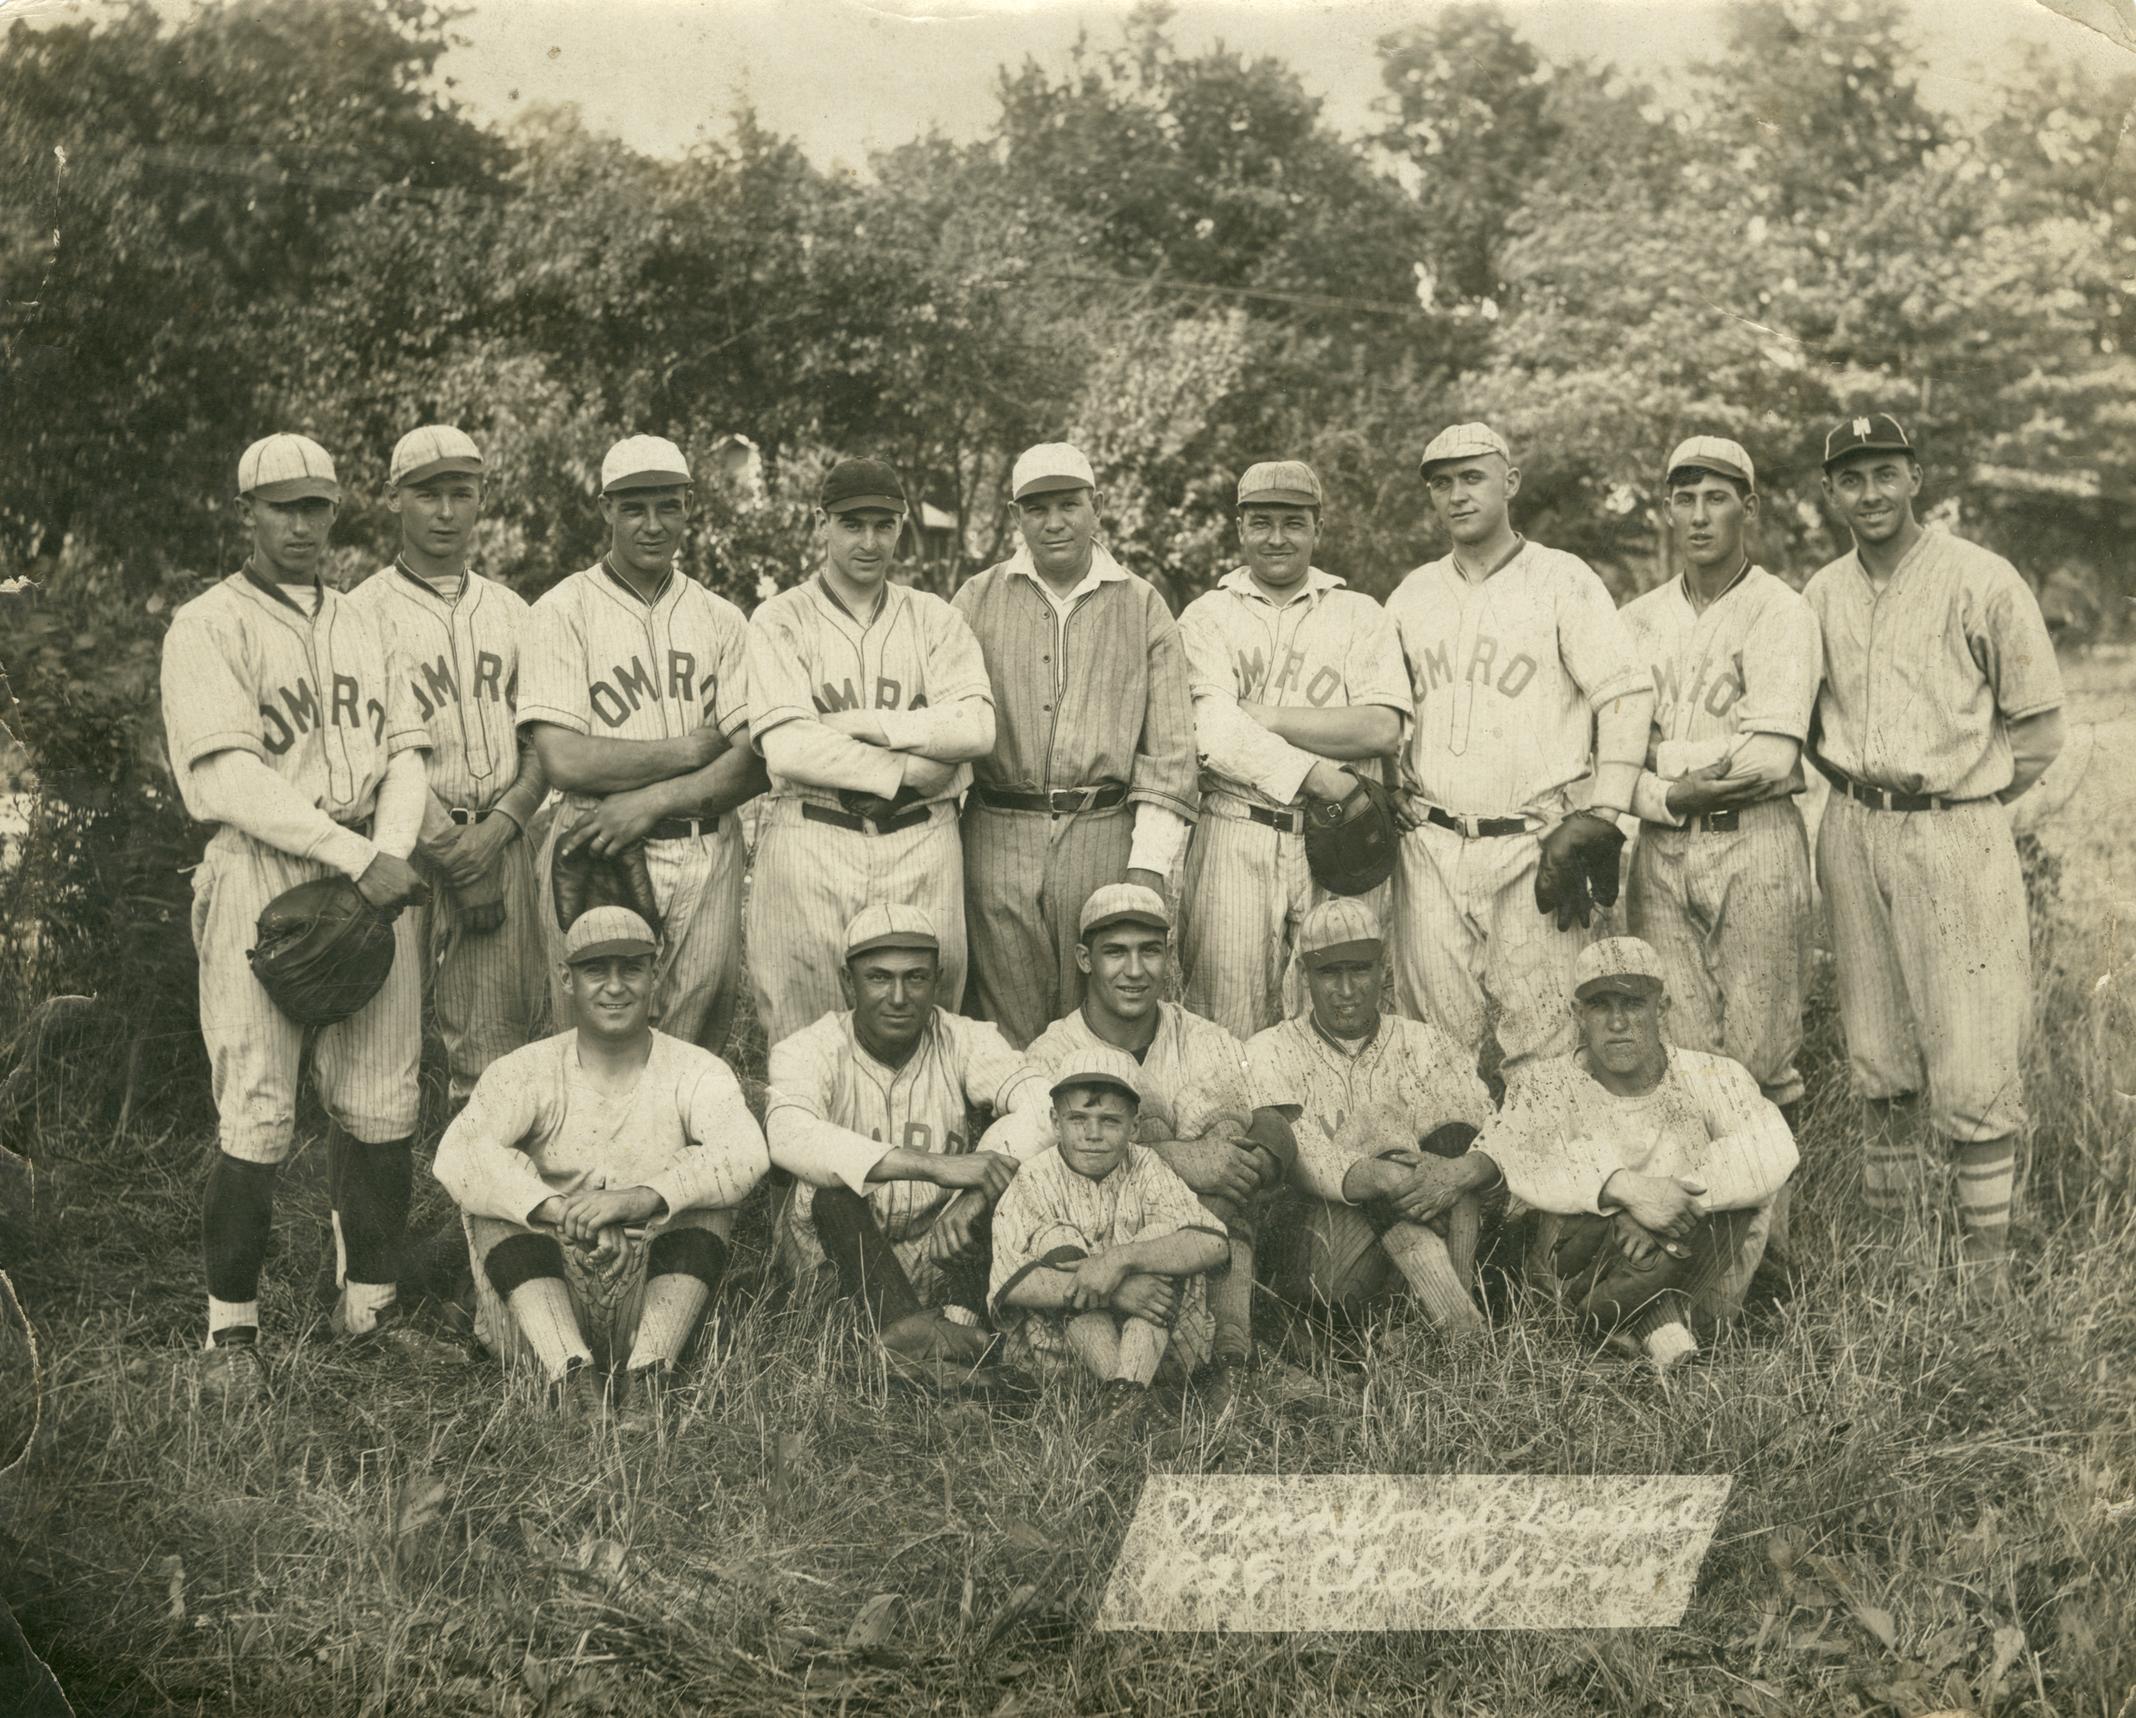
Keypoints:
(1648, 1163)
(1099, 1249)
(598, 1173)
(870, 1110)
(1368, 1095)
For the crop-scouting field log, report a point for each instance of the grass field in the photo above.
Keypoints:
(1934, 1505)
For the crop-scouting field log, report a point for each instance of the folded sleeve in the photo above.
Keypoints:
(1750, 1151)
(803, 1141)
(2011, 643)
(237, 788)
(1783, 662)
(1166, 762)
(957, 722)
(1595, 643)
(208, 704)
(552, 666)
(1230, 742)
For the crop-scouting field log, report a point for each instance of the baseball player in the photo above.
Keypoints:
(1365, 1093)
(1198, 1111)
(598, 1172)
(869, 1109)
(1525, 680)
(1091, 777)
(1293, 677)
(866, 700)
(458, 636)
(633, 689)
(1941, 704)
(1100, 1251)
(292, 730)
(1648, 1163)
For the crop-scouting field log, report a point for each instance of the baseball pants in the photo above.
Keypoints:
(488, 990)
(812, 877)
(1246, 891)
(607, 1305)
(1026, 877)
(1577, 1257)
(893, 1279)
(365, 1067)
(1728, 912)
(1469, 944)
(1933, 958)
(697, 885)
(1107, 1345)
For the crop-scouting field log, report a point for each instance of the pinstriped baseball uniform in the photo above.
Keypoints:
(321, 700)
(1929, 930)
(1098, 700)
(462, 659)
(600, 660)
(1247, 886)
(916, 662)
(1728, 910)
(833, 1110)
(1507, 673)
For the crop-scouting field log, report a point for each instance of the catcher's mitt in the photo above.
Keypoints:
(581, 879)
(323, 951)
(1579, 868)
(1350, 843)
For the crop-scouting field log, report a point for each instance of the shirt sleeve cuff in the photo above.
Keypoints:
(347, 852)
(1650, 800)
(905, 730)
(1160, 832)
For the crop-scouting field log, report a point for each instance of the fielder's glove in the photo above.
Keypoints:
(323, 952)
(1350, 843)
(583, 879)
(1579, 868)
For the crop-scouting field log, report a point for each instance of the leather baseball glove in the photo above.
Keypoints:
(1579, 868)
(323, 951)
(1350, 843)
(581, 879)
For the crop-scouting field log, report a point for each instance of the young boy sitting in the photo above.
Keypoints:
(1099, 1249)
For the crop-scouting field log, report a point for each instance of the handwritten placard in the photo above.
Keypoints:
(1355, 1552)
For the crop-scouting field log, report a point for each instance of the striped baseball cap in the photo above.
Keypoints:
(433, 451)
(1622, 966)
(1714, 453)
(889, 924)
(1123, 904)
(286, 467)
(1464, 441)
(1100, 1065)
(643, 462)
(600, 932)
(1280, 483)
(1343, 928)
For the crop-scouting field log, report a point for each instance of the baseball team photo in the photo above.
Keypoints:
(1201, 858)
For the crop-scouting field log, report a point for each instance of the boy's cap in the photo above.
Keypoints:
(603, 931)
(1123, 903)
(1101, 1065)
(433, 451)
(1622, 966)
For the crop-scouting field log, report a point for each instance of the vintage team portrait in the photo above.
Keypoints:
(1065, 858)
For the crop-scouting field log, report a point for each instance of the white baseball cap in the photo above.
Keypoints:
(600, 932)
(1048, 466)
(1717, 454)
(287, 468)
(1340, 926)
(1625, 966)
(643, 462)
(433, 451)
(1464, 441)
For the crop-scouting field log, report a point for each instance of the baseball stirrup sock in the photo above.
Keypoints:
(1987, 1180)
(231, 1315)
(371, 1189)
(1142, 1346)
(236, 1221)
(541, 1308)
(1421, 1257)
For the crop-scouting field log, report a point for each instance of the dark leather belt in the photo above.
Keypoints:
(682, 828)
(909, 818)
(1290, 822)
(1715, 822)
(465, 814)
(1061, 802)
(1883, 798)
(1476, 826)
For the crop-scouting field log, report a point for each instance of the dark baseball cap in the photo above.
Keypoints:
(1873, 432)
(852, 484)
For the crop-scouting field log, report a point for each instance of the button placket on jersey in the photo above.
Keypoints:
(1469, 625)
(342, 785)
(464, 667)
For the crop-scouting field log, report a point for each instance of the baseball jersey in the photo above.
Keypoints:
(1050, 1205)
(1507, 674)
(461, 659)
(810, 655)
(1749, 665)
(1922, 677)
(1192, 1072)
(320, 697)
(536, 1127)
(1408, 1079)
(600, 660)
(1563, 1134)
(833, 1110)
(1321, 645)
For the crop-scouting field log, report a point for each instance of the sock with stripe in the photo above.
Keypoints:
(1421, 1256)
(236, 1222)
(1986, 1172)
(1891, 1160)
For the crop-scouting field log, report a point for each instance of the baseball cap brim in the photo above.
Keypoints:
(1280, 498)
(457, 464)
(1069, 1082)
(297, 489)
(1882, 444)
(855, 503)
(1619, 984)
(1437, 460)
(1367, 948)
(917, 941)
(614, 946)
(646, 480)
(1713, 467)
(1047, 485)
(1126, 918)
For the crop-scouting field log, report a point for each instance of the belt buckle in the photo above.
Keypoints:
(697, 827)
(1470, 825)
(1065, 801)
(462, 815)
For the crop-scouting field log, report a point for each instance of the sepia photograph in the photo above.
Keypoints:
(1055, 857)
